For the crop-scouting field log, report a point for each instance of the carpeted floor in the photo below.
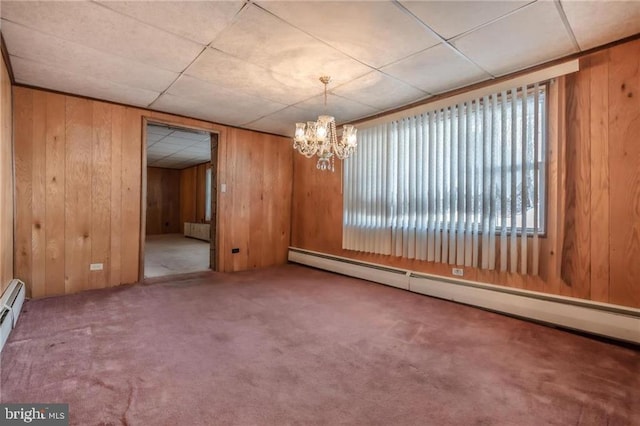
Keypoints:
(292, 345)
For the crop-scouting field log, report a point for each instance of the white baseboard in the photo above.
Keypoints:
(603, 319)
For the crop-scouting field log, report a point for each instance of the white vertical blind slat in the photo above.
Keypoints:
(445, 187)
(525, 192)
(477, 180)
(461, 192)
(494, 181)
(410, 132)
(439, 187)
(453, 194)
(388, 190)
(469, 146)
(504, 157)
(420, 192)
(536, 224)
(513, 249)
(432, 188)
(486, 180)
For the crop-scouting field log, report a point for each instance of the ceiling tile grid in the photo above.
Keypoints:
(256, 64)
(176, 148)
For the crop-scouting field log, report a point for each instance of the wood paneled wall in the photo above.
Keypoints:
(601, 250)
(592, 247)
(257, 205)
(80, 183)
(192, 193)
(78, 174)
(163, 201)
(6, 180)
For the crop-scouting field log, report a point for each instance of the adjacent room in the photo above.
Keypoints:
(256, 212)
(178, 217)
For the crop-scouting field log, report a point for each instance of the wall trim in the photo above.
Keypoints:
(602, 319)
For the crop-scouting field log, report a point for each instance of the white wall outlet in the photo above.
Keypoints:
(223, 187)
(96, 267)
(457, 271)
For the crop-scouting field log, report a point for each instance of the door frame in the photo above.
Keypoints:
(215, 139)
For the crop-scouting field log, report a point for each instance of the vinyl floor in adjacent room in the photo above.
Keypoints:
(293, 345)
(171, 254)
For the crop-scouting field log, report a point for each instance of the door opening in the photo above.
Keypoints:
(180, 214)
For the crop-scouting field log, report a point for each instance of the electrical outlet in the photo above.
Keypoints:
(96, 267)
(457, 271)
(223, 187)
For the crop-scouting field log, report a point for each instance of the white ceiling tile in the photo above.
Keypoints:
(190, 135)
(282, 122)
(200, 21)
(342, 109)
(452, 18)
(262, 39)
(55, 52)
(376, 33)
(161, 150)
(436, 70)
(176, 139)
(39, 75)
(223, 69)
(599, 22)
(195, 151)
(96, 26)
(532, 35)
(214, 102)
(158, 130)
(153, 138)
(379, 91)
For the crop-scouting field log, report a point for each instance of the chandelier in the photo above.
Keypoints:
(320, 138)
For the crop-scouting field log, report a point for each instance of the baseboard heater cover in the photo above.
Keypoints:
(10, 308)
(366, 271)
(602, 319)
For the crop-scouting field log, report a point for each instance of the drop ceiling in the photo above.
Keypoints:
(174, 148)
(256, 64)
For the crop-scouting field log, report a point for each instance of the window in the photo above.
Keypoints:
(207, 195)
(459, 185)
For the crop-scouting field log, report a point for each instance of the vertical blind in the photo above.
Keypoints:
(462, 185)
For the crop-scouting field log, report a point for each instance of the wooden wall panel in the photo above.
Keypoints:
(101, 194)
(624, 165)
(188, 195)
(600, 177)
(131, 194)
(115, 248)
(577, 215)
(192, 202)
(78, 193)
(23, 147)
(55, 147)
(38, 193)
(258, 204)
(592, 247)
(6, 178)
(79, 176)
(163, 201)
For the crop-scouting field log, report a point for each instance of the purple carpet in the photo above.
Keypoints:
(293, 345)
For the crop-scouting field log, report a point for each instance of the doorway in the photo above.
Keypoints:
(180, 201)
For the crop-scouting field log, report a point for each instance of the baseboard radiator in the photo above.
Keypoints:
(10, 307)
(601, 319)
